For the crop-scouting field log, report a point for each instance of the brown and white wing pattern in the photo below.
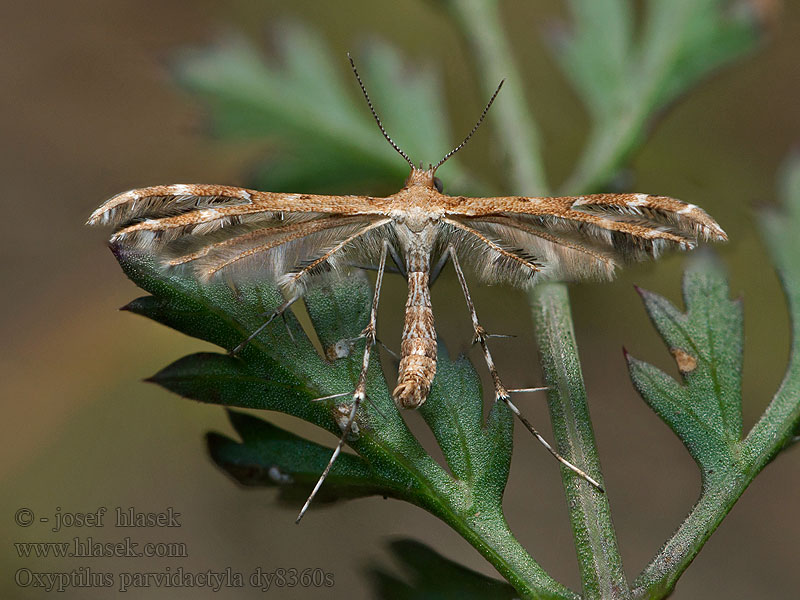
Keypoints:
(521, 240)
(172, 200)
(242, 233)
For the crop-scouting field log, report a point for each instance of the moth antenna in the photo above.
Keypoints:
(374, 114)
(474, 129)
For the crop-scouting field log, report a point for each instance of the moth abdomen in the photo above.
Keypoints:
(418, 348)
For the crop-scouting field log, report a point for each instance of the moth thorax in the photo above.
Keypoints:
(418, 348)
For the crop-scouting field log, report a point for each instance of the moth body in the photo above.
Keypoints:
(416, 229)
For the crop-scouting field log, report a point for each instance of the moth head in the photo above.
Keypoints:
(421, 177)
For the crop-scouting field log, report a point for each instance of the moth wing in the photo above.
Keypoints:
(582, 236)
(164, 201)
(214, 230)
(308, 247)
(502, 249)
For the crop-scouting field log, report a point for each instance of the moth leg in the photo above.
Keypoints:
(360, 393)
(399, 262)
(437, 270)
(398, 268)
(343, 394)
(375, 268)
(501, 393)
(391, 352)
(278, 312)
(439, 266)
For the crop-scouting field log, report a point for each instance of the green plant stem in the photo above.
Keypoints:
(483, 526)
(598, 556)
(765, 440)
(479, 21)
(490, 535)
(596, 546)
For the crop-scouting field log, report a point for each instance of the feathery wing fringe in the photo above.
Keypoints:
(361, 245)
(493, 258)
(246, 237)
(275, 251)
(155, 234)
(557, 256)
(574, 237)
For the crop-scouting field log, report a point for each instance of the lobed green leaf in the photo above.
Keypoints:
(704, 410)
(280, 370)
(427, 574)
(595, 53)
(780, 227)
(270, 456)
(478, 454)
(323, 135)
(775, 431)
(625, 81)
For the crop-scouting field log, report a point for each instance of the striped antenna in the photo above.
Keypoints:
(374, 114)
(474, 129)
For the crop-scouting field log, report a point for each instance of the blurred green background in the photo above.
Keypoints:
(89, 110)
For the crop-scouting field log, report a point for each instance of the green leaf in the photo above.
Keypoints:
(595, 54)
(780, 227)
(281, 370)
(681, 42)
(478, 455)
(223, 379)
(706, 342)
(427, 574)
(625, 80)
(687, 39)
(323, 136)
(775, 430)
(268, 455)
(277, 370)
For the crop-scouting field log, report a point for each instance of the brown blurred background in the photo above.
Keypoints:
(88, 110)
